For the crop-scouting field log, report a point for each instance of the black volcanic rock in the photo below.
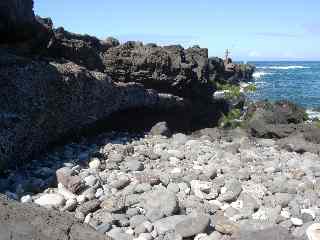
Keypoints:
(20, 28)
(297, 142)
(42, 101)
(81, 49)
(274, 120)
(15, 14)
(182, 72)
(29, 222)
(170, 69)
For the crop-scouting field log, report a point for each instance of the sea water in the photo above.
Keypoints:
(298, 82)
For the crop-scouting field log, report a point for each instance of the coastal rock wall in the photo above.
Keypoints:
(41, 102)
(20, 28)
(173, 69)
(83, 50)
(15, 14)
(183, 72)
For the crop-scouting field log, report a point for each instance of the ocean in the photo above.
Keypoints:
(298, 82)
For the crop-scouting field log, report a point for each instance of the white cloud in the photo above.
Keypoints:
(291, 55)
(254, 54)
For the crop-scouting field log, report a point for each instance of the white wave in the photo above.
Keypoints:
(257, 75)
(313, 114)
(284, 67)
(260, 82)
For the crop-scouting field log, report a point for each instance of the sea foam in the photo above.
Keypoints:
(257, 75)
(284, 67)
(313, 114)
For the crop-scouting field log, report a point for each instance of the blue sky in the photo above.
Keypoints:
(252, 29)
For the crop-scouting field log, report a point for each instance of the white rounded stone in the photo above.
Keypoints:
(81, 199)
(174, 160)
(95, 164)
(90, 180)
(99, 193)
(26, 199)
(197, 167)
(50, 200)
(176, 170)
(65, 192)
(296, 221)
(176, 153)
(70, 204)
(285, 213)
(149, 226)
(130, 231)
(200, 236)
(88, 218)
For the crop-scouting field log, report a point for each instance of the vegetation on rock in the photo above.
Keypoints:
(250, 88)
(232, 119)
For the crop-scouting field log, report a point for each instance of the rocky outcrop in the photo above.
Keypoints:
(276, 120)
(285, 122)
(171, 69)
(28, 222)
(183, 72)
(297, 142)
(81, 49)
(20, 28)
(40, 102)
(228, 72)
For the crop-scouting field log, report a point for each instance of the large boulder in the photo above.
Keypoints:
(312, 133)
(274, 120)
(274, 233)
(27, 222)
(298, 143)
(160, 128)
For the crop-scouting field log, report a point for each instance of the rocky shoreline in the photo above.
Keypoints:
(166, 171)
(214, 184)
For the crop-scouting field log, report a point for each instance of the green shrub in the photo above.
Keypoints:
(250, 88)
(231, 90)
(230, 120)
(234, 114)
(234, 91)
